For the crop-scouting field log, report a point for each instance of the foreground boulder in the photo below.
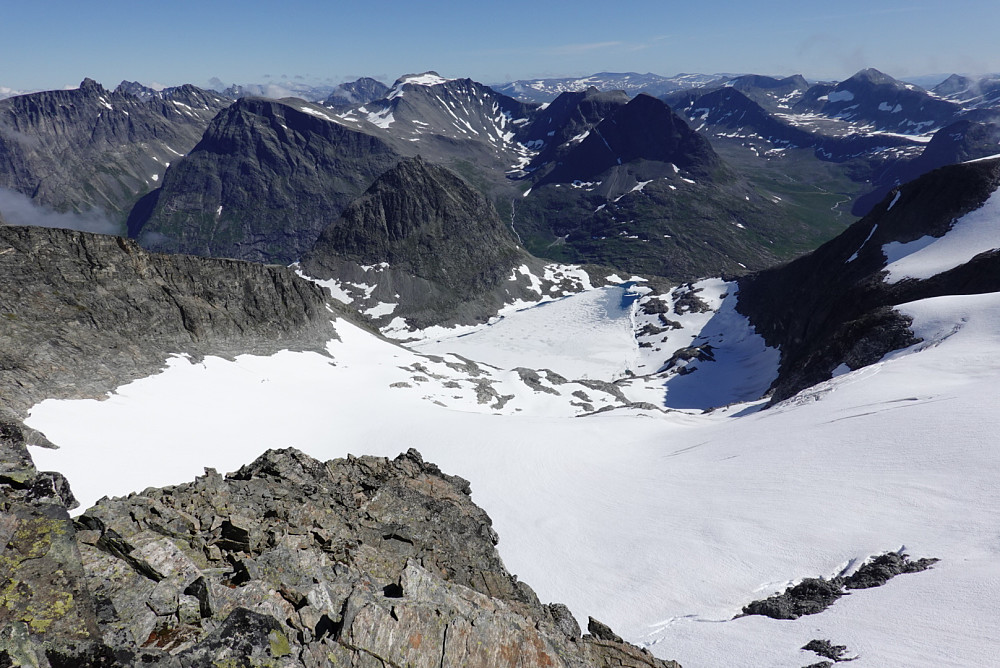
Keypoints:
(287, 562)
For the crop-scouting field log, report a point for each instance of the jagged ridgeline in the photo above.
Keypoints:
(287, 562)
(84, 313)
(91, 149)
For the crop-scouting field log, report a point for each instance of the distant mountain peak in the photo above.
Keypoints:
(428, 78)
(89, 84)
(873, 76)
(362, 91)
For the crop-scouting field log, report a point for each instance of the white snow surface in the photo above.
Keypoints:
(596, 322)
(870, 234)
(974, 233)
(662, 525)
(425, 79)
(317, 114)
(899, 193)
(840, 96)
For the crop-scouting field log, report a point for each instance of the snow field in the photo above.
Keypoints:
(663, 525)
(586, 335)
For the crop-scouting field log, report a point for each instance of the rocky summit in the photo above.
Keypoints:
(289, 561)
(263, 182)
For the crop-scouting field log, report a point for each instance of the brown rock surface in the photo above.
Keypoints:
(289, 561)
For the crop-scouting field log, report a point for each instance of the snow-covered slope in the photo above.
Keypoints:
(441, 114)
(664, 524)
(974, 233)
(712, 511)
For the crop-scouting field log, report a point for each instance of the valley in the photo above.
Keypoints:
(675, 350)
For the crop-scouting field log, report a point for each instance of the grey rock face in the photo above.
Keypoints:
(362, 91)
(446, 248)
(568, 117)
(645, 129)
(83, 313)
(363, 561)
(91, 148)
(266, 178)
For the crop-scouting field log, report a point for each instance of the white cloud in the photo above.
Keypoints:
(18, 209)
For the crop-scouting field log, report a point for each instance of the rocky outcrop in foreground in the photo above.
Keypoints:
(289, 561)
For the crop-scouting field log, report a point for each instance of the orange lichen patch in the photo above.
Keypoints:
(543, 659)
(415, 640)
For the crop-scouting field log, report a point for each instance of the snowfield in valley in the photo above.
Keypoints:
(663, 524)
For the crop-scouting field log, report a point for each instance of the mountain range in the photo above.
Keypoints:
(693, 396)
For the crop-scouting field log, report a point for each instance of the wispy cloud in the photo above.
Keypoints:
(18, 209)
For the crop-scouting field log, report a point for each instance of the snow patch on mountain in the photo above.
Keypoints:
(974, 233)
(840, 96)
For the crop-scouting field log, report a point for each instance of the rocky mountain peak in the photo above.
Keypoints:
(871, 76)
(362, 91)
(135, 89)
(643, 129)
(263, 182)
(428, 78)
(89, 85)
(956, 83)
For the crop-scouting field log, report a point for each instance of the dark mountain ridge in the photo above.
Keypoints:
(644, 129)
(833, 306)
(567, 119)
(86, 313)
(93, 149)
(266, 178)
(447, 255)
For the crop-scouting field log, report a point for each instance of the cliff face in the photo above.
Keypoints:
(835, 306)
(91, 148)
(447, 252)
(263, 182)
(84, 313)
(287, 562)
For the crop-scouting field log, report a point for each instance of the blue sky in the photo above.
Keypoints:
(54, 44)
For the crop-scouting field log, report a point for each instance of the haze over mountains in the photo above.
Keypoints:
(711, 356)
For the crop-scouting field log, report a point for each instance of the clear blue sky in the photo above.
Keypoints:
(54, 44)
